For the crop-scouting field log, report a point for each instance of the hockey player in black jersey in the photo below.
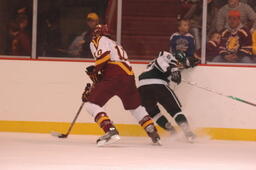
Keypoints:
(154, 89)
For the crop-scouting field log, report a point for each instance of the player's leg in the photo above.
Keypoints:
(149, 101)
(97, 98)
(131, 100)
(146, 122)
(164, 123)
(170, 102)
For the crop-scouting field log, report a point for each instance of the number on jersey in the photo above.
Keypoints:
(121, 53)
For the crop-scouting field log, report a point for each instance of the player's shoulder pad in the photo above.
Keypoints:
(98, 41)
(104, 38)
(168, 57)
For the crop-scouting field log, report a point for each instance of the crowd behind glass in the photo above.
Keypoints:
(63, 27)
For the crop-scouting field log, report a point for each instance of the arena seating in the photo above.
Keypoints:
(147, 26)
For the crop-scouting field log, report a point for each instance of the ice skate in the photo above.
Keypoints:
(170, 129)
(152, 133)
(110, 137)
(190, 136)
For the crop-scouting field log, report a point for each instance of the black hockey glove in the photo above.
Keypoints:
(193, 61)
(86, 92)
(94, 75)
(176, 77)
(187, 62)
(181, 57)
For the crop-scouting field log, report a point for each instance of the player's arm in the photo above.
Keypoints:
(173, 69)
(186, 61)
(95, 71)
(101, 52)
(169, 66)
(102, 57)
(174, 74)
(162, 61)
(102, 60)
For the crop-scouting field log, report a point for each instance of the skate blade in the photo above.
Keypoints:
(191, 139)
(158, 143)
(113, 139)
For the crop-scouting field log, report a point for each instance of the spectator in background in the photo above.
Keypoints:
(182, 41)
(236, 41)
(52, 39)
(21, 42)
(76, 46)
(248, 16)
(80, 47)
(22, 20)
(213, 46)
(13, 30)
(220, 3)
(252, 4)
(195, 13)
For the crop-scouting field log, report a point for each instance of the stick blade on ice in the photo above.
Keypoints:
(59, 135)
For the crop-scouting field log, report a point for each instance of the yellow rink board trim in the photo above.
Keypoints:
(124, 129)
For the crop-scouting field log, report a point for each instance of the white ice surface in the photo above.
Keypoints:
(22, 151)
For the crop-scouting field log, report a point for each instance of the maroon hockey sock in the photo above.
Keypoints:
(104, 122)
(146, 121)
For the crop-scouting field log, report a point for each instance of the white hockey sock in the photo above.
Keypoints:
(139, 113)
(93, 109)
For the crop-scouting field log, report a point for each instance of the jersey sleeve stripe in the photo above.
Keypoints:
(103, 58)
(123, 66)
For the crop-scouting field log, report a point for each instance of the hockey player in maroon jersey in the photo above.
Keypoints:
(113, 75)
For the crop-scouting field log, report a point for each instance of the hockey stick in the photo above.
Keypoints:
(218, 93)
(62, 135)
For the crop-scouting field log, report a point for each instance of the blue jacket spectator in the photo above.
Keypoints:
(182, 41)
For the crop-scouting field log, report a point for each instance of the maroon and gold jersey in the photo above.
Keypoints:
(109, 55)
(237, 42)
(118, 77)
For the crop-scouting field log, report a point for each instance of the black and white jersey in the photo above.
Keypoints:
(159, 70)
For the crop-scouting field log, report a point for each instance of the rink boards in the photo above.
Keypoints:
(43, 96)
